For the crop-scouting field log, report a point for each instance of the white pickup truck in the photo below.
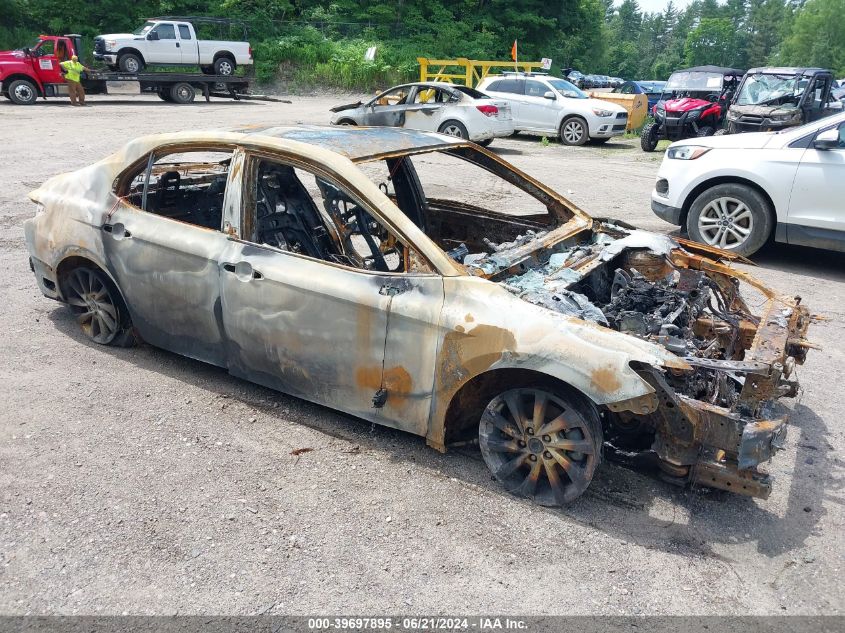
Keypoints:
(172, 42)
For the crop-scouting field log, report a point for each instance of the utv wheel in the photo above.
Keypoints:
(574, 131)
(541, 444)
(705, 130)
(454, 128)
(649, 136)
(130, 63)
(721, 132)
(224, 66)
(23, 92)
(731, 216)
(182, 93)
(100, 311)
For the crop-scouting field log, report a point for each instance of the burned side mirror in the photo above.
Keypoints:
(829, 139)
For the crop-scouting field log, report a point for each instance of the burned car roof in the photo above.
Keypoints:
(356, 143)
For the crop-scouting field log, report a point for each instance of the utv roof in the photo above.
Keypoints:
(713, 69)
(788, 70)
(356, 143)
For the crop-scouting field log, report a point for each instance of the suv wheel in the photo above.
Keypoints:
(574, 131)
(734, 217)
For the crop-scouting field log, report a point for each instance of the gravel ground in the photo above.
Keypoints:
(135, 481)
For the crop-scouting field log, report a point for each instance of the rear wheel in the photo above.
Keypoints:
(486, 142)
(23, 92)
(574, 131)
(454, 128)
(541, 443)
(164, 95)
(182, 93)
(649, 137)
(224, 66)
(731, 216)
(100, 310)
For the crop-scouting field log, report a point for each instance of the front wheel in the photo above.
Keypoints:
(540, 443)
(130, 63)
(731, 216)
(100, 310)
(649, 137)
(574, 131)
(705, 130)
(23, 92)
(454, 128)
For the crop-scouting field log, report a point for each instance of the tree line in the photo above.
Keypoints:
(323, 41)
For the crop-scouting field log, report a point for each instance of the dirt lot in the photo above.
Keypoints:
(141, 482)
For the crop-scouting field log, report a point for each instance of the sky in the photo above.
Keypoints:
(653, 6)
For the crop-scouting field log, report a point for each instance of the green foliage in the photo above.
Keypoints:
(323, 41)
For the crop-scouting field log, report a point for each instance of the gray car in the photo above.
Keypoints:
(433, 107)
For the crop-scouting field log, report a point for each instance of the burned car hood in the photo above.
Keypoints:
(682, 296)
(348, 106)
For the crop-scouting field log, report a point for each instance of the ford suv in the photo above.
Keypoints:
(548, 105)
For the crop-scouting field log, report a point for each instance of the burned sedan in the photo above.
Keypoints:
(420, 282)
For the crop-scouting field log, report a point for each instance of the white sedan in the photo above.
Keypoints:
(736, 192)
(433, 107)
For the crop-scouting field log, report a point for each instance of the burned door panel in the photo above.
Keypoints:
(167, 272)
(303, 326)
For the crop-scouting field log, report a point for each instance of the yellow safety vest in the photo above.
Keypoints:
(72, 70)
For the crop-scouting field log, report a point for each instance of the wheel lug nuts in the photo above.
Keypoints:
(521, 444)
(530, 431)
(547, 454)
(546, 438)
(532, 457)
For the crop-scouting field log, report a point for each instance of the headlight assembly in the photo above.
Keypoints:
(686, 152)
(600, 112)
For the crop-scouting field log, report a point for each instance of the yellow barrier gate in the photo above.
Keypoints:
(636, 105)
(471, 71)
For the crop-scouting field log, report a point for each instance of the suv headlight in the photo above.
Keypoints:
(600, 112)
(686, 152)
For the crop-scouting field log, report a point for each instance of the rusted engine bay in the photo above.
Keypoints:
(711, 423)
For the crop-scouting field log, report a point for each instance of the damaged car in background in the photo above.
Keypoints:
(421, 282)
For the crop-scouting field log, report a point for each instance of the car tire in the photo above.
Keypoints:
(346, 122)
(182, 93)
(649, 137)
(164, 95)
(574, 131)
(731, 216)
(454, 128)
(130, 63)
(705, 130)
(101, 313)
(224, 66)
(23, 92)
(552, 464)
(485, 143)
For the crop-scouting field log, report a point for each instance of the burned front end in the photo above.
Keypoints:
(711, 420)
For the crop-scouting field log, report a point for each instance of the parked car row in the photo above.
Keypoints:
(591, 81)
(500, 106)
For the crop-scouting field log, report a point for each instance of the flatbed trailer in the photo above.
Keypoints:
(173, 87)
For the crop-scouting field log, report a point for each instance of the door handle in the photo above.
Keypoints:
(117, 231)
(177, 44)
(242, 270)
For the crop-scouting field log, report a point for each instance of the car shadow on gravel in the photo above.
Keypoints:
(632, 505)
(802, 260)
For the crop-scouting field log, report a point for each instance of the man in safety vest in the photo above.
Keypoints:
(72, 70)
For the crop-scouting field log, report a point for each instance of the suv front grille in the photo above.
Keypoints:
(621, 115)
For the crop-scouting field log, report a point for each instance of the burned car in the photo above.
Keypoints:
(344, 266)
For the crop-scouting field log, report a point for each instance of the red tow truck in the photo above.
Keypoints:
(34, 71)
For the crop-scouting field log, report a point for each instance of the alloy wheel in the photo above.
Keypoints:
(573, 131)
(538, 445)
(725, 222)
(91, 299)
(453, 130)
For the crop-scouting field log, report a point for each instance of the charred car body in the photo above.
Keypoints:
(330, 263)
(770, 99)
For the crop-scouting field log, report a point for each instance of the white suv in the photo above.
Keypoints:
(548, 105)
(737, 191)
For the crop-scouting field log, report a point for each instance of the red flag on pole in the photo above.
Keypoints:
(513, 51)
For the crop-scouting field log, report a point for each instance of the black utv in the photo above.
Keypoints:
(776, 98)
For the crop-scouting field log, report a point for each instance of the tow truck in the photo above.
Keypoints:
(34, 71)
